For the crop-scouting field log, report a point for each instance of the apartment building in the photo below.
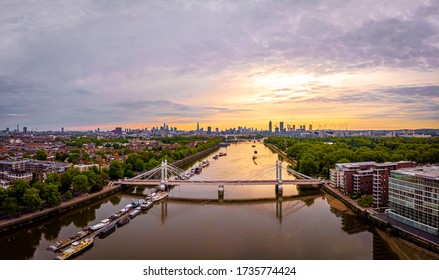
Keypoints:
(414, 197)
(366, 177)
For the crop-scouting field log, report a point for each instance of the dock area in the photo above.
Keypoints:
(105, 227)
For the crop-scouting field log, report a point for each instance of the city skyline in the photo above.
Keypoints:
(88, 65)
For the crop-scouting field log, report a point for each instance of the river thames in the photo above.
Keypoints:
(251, 223)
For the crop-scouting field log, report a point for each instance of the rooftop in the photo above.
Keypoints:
(427, 172)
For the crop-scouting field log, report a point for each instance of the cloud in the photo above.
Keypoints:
(84, 62)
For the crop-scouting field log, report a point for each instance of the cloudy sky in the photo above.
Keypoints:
(336, 63)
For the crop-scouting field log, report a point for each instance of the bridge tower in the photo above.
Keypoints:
(279, 187)
(164, 173)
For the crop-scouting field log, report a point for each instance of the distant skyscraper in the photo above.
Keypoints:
(209, 130)
(62, 129)
(270, 127)
(281, 124)
(18, 128)
(310, 127)
(294, 127)
(118, 130)
(198, 127)
(24, 129)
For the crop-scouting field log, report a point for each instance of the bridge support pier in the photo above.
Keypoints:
(220, 193)
(278, 189)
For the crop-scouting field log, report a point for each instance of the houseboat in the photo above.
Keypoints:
(75, 248)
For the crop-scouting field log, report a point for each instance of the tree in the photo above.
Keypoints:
(38, 185)
(3, 197)
(40, 155)
(53, 178)
(308, 165)
(139, 165)
(17, 190)
(61, 156)
(365, 200)
(116, 170)
(130, 173)
(66, 179)
(51, 194)
(32, 198)
(10, 205)
(343, 160)
(95, 169)
(73, 158)
(85, 156)
(80, 183)
(68, 195)
(99, 184)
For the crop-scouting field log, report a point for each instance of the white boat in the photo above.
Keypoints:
(146, 205)
(160, 196)
(149, 196)
(97, 226)
(134, 213)
(100, 225)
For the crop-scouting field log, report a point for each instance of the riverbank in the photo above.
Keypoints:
(194, 157)
(406, 250)
(27, 219)
(69, 205)
(281, 153)
(382, 222)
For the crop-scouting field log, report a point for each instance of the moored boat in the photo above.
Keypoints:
(215, 157)
(134, 212)
(61, 244)
(100, 225)
(198, 169)
(107, 230)
(123, 221)
(75, 248)
(149, 196)
(146, 205)
(205, 163)
(160, 196)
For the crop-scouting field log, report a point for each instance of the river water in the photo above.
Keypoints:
(251, 223)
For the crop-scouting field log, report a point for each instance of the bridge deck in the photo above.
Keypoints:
(221, 182)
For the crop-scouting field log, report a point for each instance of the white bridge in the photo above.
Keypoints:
(168, 175)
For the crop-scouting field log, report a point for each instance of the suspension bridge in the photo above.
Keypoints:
(167, 174)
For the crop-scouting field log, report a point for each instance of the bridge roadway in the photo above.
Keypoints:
(221, 182)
